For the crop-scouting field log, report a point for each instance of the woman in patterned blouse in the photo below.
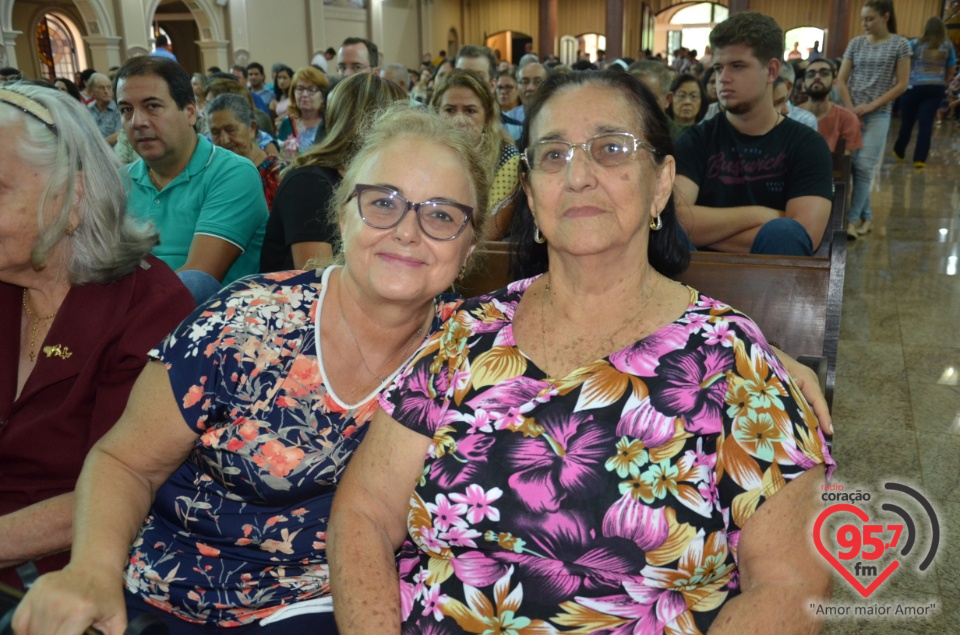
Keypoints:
(222, 468)
(594, 450)
(874, 72)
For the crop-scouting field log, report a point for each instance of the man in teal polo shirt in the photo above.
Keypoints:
(206, 202)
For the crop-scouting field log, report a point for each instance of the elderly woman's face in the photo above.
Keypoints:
(21, 189)
(309, 96)
(686, 102)
(229, 132)
(586, 208)
(402, 263)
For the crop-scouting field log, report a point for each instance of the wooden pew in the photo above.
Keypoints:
(796, 301)
(838, 217)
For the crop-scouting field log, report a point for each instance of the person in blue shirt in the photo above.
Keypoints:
(932, 64)
(207, 203)
(255, 79)
(163, 48)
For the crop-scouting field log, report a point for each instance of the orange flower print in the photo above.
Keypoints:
(278, 460)
(206, 550)
(194, 394)
(303, 377)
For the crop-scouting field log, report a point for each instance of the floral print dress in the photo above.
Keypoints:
(607, 501)
(238, 531)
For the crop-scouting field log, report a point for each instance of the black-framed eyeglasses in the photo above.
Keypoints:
(608, 150)
(439, 218)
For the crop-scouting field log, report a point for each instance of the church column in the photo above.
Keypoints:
(614, 29)
(841, 12)
(214, 53)
(8, 49)
(136, 29)
(104, 51)
(547, 37)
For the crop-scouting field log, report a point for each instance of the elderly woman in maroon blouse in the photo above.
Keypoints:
(81, 302)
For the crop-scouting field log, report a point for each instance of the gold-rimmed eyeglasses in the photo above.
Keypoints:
(608, 150)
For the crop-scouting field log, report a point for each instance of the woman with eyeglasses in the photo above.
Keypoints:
(597, 449)
(467, 98)
(303, 124)
(685, 102)
(221, 471)
(299, 229)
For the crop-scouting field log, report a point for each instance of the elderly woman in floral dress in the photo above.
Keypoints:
(594, 450)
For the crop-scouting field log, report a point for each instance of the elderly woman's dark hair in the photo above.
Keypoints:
(668, 251)
(689, 78)
(107, 243)
(236, 104)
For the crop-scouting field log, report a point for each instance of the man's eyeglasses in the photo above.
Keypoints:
(608, 150)
(310, 90)
(353, 68)
(383, 208)
(528, 81)
(818, 72)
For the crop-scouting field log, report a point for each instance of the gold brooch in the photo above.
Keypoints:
(57, 350)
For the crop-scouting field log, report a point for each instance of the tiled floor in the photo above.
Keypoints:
(897, 403)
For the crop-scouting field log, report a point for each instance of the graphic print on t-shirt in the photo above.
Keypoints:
(746, 165)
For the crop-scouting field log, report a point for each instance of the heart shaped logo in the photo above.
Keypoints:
(862, 515)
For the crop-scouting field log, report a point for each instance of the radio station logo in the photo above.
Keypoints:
(863, 540)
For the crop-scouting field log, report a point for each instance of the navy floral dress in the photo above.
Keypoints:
(238, 531)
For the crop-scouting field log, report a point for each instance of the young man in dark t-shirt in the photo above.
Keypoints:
(749, 179)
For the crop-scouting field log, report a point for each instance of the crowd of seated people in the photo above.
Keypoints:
(320, 260)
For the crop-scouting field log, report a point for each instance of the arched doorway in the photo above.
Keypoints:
(174, 19)
(59, 46)
(687, 25)
(805, 37)
(453, 43)
(196, 27)
(589, 44)
(510, 44)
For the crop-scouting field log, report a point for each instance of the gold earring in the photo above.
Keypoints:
(69, 231)
(656, 224)
(537, 236)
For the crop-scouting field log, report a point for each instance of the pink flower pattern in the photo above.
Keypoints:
(595, 502)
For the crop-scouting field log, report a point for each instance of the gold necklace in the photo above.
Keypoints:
(613, 336)
(413, 339)
(36, 322)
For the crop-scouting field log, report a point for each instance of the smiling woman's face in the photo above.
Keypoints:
(402, 264)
